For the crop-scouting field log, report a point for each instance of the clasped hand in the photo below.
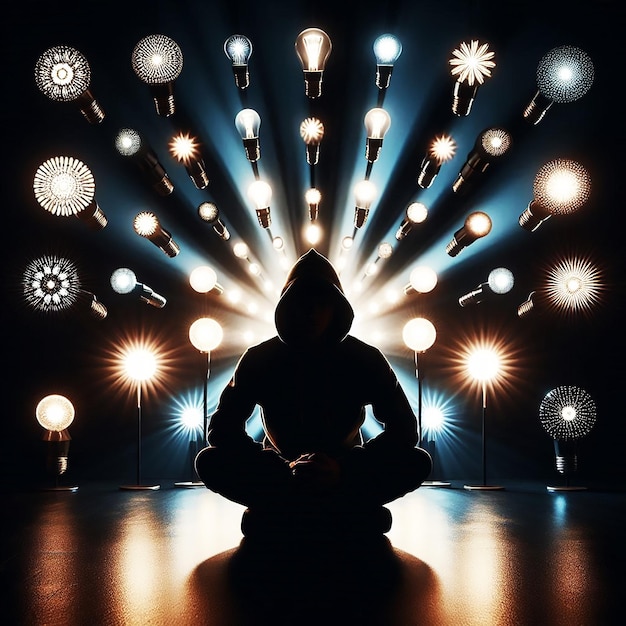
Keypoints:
(317, 471)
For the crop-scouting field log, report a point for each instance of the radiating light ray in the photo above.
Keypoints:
(51, 284)
(472, 63)
(574, 285)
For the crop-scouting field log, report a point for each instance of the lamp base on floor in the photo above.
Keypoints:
(139, 487)
(483, 487)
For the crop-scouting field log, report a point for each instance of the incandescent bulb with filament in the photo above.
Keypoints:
(377, 122)
(561, 187)
(564, 74)
(313, 47)
(260, 194)
(63, 74)
(248, 123)
(387, 50)
(477, 224)
(65, 186)
(471, 65)
(157, 60)
(56, 413)
(238, 48)
(364, 194)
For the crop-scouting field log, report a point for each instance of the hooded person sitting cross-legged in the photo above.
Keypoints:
(312, 381)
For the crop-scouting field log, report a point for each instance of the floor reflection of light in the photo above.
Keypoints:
(56, 563)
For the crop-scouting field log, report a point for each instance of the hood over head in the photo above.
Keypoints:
(312, 278)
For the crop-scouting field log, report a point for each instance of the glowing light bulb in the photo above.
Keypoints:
(567, 413)
(477, 224)
(419, 334)
(422, 279)
(146, 224)
(471, 65)
(238, 48)
(441, 149)
(56, 413)
(208, 212)
(248, 123)
(416, 213)
(313, 197)
(377, 122)
(241, 250)
(63, 74)
(130, 143)
(364, 194)
(124, 281)
(573, 285)
(313, 47)
(260, 194)
(490, 145)
(387, 50)
(499, 281)
(51, 284)
(313, 234)
(205, 334)
(561, 187)
(312, 132)
(186, 150)
(204, 279)
(157, 60)
(564, 74)
(65, 186)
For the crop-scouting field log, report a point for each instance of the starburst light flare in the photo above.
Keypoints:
(471, 65)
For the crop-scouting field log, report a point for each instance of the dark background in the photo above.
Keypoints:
(74, 355)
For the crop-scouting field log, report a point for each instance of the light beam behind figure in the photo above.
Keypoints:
(186, 150)
(419, 335)
(238, 48)
(499, 281)
(416, 213)
(146, 224)
(387, 50)
(490, 145)
(65, 186)
(364, 194)
(208, 212)
(477, 225)
(433, 423)
(248, 123)
(312, 132)
(567, 413)
(139, 365)
(441, 149)
(564, 74)
(471, 65)
(124, 281)
(130, 143)
(55, 413)
(483, 365)
(377, 122)
(63, 74)
(260, 194)
(561, 187)
(157, 61)
(313, 47)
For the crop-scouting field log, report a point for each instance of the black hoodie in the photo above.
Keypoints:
(313, 395)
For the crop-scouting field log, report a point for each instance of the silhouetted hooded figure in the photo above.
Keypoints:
(312, 382)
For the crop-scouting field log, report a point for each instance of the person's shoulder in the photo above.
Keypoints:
(357, 345)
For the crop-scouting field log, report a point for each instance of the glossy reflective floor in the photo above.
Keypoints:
(518, 556)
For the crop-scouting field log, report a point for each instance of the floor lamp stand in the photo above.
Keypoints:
(484, 486)
(138, 485)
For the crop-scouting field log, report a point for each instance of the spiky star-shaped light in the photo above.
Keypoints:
(472, 62)
(51, 284)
